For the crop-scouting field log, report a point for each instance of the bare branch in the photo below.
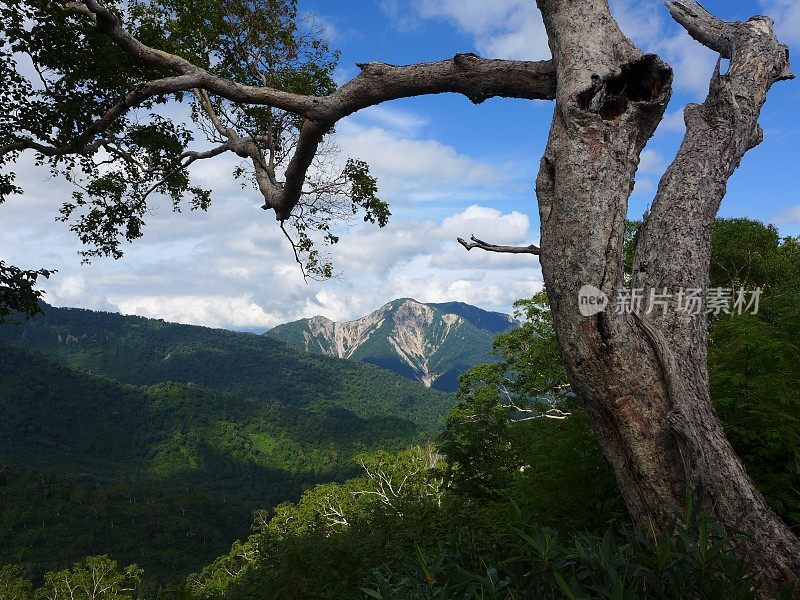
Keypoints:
(208, 109)
(707, 29)
(467, 74)
(295, 250)
(477, 243)
(476, 78)
(555, 414)
(188, 159)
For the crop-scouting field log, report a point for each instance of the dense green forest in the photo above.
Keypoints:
(515, 499)
(146, 352)
(481, 513)
(155, 442)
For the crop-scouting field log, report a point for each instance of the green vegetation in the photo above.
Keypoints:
(754, 360)
(693, 559)
(95, 578)
(18, 293)
(155, 442)
(513, 500)
(502, 483)
(146, 352)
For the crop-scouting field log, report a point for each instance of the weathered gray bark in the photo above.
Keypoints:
(643, 378)
(645, 384)
(609, 101)
(674, 251)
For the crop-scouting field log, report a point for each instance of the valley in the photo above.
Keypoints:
(170, 436)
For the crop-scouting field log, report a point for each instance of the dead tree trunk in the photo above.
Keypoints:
(644, 379)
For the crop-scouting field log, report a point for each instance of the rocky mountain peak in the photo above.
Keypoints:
(427, 342)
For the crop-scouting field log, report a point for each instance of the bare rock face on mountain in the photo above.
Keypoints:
(431, 343)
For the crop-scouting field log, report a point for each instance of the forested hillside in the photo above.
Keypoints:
(155, 441)
(513, 499)
(512, 504)
(143, 351)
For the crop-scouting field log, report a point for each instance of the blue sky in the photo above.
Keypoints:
(447, 167)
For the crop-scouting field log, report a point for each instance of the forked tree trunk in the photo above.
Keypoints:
(644, 378)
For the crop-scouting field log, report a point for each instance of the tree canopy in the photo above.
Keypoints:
(87, 103)
(106, 122)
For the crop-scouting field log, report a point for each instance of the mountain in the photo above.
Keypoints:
(145, 352)
(122, 433)
(430, 343)
(493, 322)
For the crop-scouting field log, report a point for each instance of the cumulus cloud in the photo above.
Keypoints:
(673, 122)
(488, 223)
(644, 186)
(651, 162)
(789, 216)
(400, 242)
(393, 119)
(239, 312)
(247, 281)
(416, 169)
(74, 289)
(502, 29)
(232, 267)
(787, 18)
(692, 62)
(487, 293)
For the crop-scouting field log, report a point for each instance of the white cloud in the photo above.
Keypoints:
(528, 41)
(74, 289)
(489, 294)
(642, 22)
(488, 223)
(400, 242)
(232, 267)
(644, 186)
(239, 312)
(394, 119)
(419, 169)
(692, 62)
(322, 25)
(403, 18)
(789, 216)
(502, 28)
(673, 122)
(651, 163)
(787, 18)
